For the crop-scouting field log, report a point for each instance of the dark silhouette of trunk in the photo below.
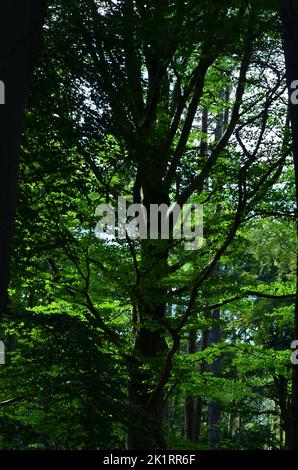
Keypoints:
(289, 16)
(20, 28)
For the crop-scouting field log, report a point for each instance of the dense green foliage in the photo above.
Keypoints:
(101, 123)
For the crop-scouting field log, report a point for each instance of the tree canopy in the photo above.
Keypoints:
(140, 343)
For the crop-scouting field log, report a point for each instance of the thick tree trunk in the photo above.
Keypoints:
(146, 427)
(145, 430)
(289, 15)
(20, 27)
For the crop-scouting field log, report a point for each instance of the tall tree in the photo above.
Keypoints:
(127, 86)
(147, 69)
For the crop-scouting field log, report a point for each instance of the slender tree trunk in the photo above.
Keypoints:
(289, 15)
(282, 388)
(20, 27)
(190, 412)
(221, 119)
(199, 404)
(193, 406)
(214, 408)
(230, 425)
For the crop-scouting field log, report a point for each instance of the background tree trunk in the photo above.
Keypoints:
(200, 401)
(190, 407)
(214, 408)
